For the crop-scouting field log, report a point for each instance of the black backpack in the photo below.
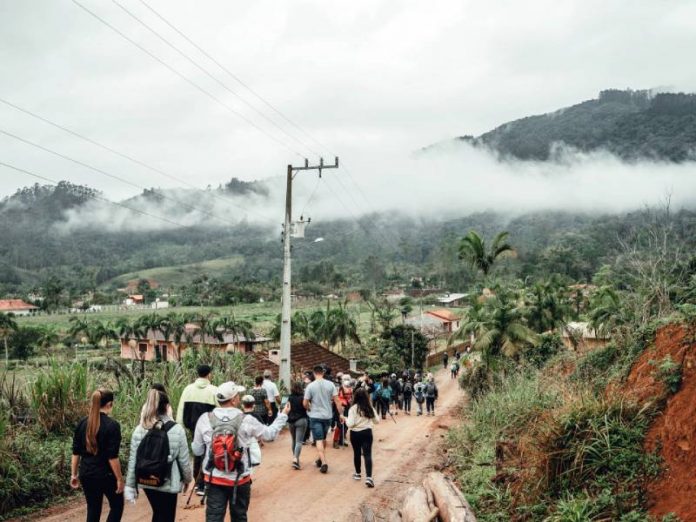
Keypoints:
(152, 459)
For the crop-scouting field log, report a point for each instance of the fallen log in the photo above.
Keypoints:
(367, 514)
(415, 508)
(451, 503)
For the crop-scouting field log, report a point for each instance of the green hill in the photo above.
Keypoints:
(173, 276)
(631, 124)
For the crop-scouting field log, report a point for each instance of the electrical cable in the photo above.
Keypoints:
(96, 197)
(128, 157)
(212, 77)
(113, 176)
(188, 80)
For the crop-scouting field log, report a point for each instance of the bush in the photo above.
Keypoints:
(670, 373)
(549, 345)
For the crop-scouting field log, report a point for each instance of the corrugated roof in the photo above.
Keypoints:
(305, 356)
(448, 298)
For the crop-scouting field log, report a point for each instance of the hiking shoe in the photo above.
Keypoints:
(369, 482)
(317, 463)
(356, 476)
(200, 491)
(296, 465)
(335, 445)
(324, 468)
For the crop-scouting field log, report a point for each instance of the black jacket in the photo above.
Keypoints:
(108, 445)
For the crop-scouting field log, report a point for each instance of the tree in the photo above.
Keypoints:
(405, 344)
(546, 306)
(231, 325)
(472, 248)
(606, 311)
(341, 327)
(24, 341)
(498, 328)
(7, 325)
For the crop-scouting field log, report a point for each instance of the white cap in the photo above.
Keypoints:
(228, 390)
(248, 399)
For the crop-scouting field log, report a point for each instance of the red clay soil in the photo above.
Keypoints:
(673, 434)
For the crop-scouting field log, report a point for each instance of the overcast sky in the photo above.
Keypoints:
(373, 80)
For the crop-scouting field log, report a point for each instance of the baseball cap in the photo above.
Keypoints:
(228, 390)
(248, 399)
(267, 373)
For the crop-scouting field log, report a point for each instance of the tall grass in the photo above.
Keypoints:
(59, 396)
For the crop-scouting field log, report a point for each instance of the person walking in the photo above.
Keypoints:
(361, 419)
(254, 452)
(345, 397)
(430, 396)
(95, 464)
(453, 371)
(318, 399)
(384, 397)
(196, 399)
(407, 397)
(419, 393)
(273, 394)
(262, 406)
(298, 421)
(226, 464)
(445, 358)
(155, 417)
(396, 398)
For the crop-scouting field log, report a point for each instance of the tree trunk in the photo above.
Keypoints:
(7, 352)
(415, 508)
(450, 501)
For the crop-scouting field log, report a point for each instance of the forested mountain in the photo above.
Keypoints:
(631, 124)
(373, 252)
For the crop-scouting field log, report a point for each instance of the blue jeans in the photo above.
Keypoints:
(320, 428)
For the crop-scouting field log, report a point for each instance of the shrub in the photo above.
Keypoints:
(549, 345)
(670, 373)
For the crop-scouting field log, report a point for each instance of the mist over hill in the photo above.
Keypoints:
(632, 125)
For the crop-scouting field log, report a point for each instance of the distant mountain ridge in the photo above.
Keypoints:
(633, 125)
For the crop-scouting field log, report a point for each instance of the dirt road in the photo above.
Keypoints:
(402, 454)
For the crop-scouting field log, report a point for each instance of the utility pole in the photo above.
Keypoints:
(286, 312)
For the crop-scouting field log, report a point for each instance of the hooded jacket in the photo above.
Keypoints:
(249, 431)
(197, 398)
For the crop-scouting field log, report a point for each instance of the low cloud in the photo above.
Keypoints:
(448, 181)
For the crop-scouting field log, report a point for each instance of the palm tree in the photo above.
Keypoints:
(7, 325)
(499, 328)
(48, 336)
(472, 248)
(546, 306)
(99, 333)
(80, 329)
(318, 326)
(341, 326)
(230, 325)
(606, 311)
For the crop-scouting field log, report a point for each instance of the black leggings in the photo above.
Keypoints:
(362, 443)
(95, 489)
(163, 505)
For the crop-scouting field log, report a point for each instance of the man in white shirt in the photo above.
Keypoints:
(273, 393)
(231, 487)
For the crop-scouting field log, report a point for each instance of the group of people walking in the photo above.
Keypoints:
(228, 425)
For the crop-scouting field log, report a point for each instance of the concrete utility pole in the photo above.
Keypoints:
(286, 313)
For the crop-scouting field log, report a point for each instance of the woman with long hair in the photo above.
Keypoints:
(298, 421)
(95, 464)
(361, 419)
(156, 415)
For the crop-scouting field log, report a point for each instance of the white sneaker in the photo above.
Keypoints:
(356, 476)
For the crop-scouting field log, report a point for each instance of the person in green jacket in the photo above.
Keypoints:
(162, 499)
(197, 398)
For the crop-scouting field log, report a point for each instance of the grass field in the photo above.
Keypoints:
(170, 276)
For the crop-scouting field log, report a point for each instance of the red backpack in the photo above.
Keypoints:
(225, 449)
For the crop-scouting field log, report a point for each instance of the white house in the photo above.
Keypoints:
(17, 307)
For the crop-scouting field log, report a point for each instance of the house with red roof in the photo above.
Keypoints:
(435, 322)
(17, 307)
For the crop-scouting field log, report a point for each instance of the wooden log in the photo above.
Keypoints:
(415, 508)
(367, 514)
(449, 500)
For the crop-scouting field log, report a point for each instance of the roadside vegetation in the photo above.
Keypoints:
(556, 434)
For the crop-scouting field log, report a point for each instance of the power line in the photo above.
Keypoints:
(186, 79)
(96, 197)
(126, 156)
(212, 77)
(110, 175)
(251, 90)
(232, 75)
